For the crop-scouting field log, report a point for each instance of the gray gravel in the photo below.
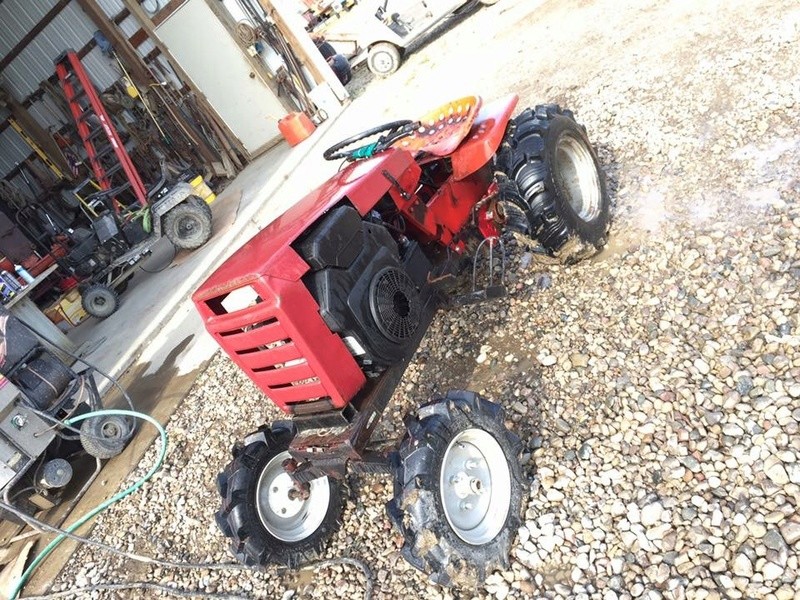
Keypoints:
(656, 387)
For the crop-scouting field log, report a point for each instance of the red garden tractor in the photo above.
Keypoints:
(324, 308)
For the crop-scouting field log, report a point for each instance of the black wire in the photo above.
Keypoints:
(45, 527)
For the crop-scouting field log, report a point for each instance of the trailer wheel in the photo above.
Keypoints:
(188, 225)
(266, 524)
(458, 489)
(560, 180)
(99, 300)
(383, 59)
(105, 437)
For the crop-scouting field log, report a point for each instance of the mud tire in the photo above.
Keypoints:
(99, 300)
(432, 544)
(239, 519)
(188, 225)
(555, 168)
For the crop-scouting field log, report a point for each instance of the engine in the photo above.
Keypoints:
(369, 288)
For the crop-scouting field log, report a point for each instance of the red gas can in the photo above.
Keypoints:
(295, 127)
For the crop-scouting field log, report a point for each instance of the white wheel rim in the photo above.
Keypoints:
(475, 486)
(577, 171)
(287, 518)
(382, 61)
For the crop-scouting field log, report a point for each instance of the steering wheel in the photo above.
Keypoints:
(392, 132)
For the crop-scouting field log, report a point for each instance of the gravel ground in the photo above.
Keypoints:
(656, 387)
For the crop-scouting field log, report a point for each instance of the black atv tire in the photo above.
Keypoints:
(99, 300)
(260, 541)
(560, 180)
(188, 225)
(459, 550)
(105, 436)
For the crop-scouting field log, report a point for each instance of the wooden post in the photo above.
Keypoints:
(36, 132)
(133, 62)
(138, 70)
(291, 28)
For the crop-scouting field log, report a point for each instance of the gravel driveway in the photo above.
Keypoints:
(657, 387)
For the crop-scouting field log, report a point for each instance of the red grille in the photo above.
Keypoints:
(283, 345)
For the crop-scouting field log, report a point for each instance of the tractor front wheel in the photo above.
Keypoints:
(458, 489)
(268, 519)
(99, 300)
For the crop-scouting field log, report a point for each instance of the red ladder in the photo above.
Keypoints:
(84, 103)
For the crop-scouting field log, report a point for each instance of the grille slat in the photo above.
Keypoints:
(285, 375)
(261, 336)
(266, 357)
(293, 394)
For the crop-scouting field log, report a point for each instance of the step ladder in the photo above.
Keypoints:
(104, 149)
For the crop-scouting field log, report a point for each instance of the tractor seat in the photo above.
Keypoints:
(441, 131)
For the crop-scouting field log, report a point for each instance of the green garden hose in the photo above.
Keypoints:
(104, 505)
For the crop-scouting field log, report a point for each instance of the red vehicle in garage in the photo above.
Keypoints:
(325, 306)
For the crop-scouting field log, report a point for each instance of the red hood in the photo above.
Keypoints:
(269, 252)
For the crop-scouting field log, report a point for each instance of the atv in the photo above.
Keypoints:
(324, 308)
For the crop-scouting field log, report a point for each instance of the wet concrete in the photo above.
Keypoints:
(156, 387)
(146, 389)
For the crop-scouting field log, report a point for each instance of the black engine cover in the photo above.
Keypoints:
(366, 291)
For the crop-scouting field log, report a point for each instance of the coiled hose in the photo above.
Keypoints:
(104, 505)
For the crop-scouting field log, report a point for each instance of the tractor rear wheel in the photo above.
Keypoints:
(188, 225)
(267, 518)
(458, 489)
(559, 178)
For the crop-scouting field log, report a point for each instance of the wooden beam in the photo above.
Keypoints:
(303, 46)
(121, 16)
(138, 38)
(35, 30)
(134, 64)
(36, 132)
(164, 13)
(53, 80)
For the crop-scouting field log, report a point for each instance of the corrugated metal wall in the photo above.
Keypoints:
(71, 29)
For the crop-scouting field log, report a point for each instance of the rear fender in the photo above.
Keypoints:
(485, 137)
